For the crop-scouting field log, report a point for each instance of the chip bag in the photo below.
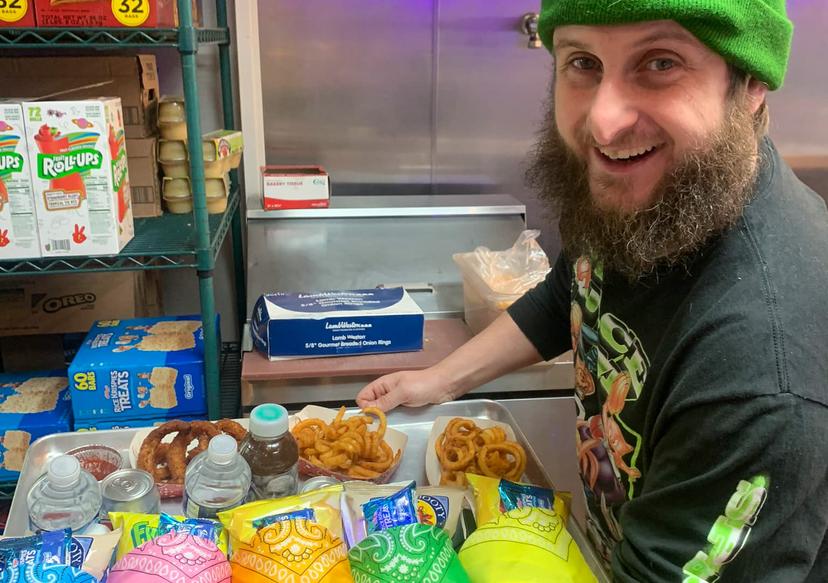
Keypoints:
(291, 550)
(243, 522)
(525, 545)
(435, 505)
(494, 496)
(39, 558)
(414, 552)
(172, 558)
(137, 529)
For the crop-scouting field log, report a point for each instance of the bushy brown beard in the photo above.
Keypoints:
(703, 195)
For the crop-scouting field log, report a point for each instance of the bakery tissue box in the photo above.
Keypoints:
(336, 323)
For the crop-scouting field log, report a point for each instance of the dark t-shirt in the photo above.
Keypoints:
(702, 397)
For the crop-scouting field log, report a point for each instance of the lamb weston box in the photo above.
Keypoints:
(336, 323)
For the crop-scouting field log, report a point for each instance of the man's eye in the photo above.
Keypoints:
(584, 63)
(661, 64)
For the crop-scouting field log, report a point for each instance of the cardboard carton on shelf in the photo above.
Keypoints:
(143, 368)
(132, 78)
(295, 187)
(67, 303)
(77, 153)
(109, 13)
(18, 221)
(144, 185)
(32, 405)
(17, 14)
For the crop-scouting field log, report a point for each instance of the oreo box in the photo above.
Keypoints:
(337, 323)
(32, 405)
(139, 369)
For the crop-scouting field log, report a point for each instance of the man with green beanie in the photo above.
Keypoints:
(691, 289)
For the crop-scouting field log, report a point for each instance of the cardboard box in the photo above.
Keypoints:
(18, 222)
(31, 405)
(140, 369)
(144, 186)
(102, 424)
(108, 13)
(295, 187)
(61, 304)
(132, 78)
(17, 14)
(79, 170)
(336, 323)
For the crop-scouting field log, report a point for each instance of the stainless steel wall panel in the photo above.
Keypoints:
(490, 94)
(348, 85)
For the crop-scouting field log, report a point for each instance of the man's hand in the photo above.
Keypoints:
(413, 388)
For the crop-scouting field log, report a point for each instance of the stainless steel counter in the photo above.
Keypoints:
(549, 425)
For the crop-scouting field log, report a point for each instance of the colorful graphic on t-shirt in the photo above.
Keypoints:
(729, 533)
(610, 370)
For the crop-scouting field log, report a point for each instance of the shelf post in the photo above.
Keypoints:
(188, 49)
(230, 123)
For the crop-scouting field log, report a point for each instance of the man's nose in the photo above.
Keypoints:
(613, 112)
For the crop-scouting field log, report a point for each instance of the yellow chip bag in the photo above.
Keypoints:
(136, 529)
(525, 545)
(291, 550)
(320, 506)
(494, 496)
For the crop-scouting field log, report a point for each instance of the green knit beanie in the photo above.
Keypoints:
(754, 35)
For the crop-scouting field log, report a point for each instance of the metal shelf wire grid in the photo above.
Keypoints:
(100, 38)
(164, 242)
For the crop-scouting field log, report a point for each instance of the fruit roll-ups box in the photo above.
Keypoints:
(337, 323)
(144, 368)
(32, 405)
(78, 162)
(18, 221)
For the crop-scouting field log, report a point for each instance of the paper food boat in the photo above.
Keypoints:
(396, 439)
(432, 464)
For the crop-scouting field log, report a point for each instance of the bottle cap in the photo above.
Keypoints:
(269, 420)
(64, 470)
(222, 449)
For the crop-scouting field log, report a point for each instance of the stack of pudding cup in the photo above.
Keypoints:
(221, 150)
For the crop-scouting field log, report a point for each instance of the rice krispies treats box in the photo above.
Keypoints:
(105, 424)
(18, 222)
(145, 368)
(77, 152)
(32, 405)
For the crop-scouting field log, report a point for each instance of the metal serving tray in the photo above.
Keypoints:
(415, 422)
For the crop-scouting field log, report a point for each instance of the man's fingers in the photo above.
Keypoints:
(379, 394)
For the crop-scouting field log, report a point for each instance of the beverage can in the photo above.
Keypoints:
(130, 490)
(317, 483)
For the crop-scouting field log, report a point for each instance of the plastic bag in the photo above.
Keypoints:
(524, 545)
(512, 271)
(493, 280)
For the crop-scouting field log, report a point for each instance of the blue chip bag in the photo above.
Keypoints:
(201, 527)
(514, 495)
(38, 558)
(398, 509)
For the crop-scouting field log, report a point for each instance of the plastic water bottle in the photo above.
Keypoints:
(272, 453)
(67, 496)
(216, 480)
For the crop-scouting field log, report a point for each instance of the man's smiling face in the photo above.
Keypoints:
(649, 147)
(632, 100)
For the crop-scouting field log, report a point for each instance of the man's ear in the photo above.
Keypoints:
(757, 91)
